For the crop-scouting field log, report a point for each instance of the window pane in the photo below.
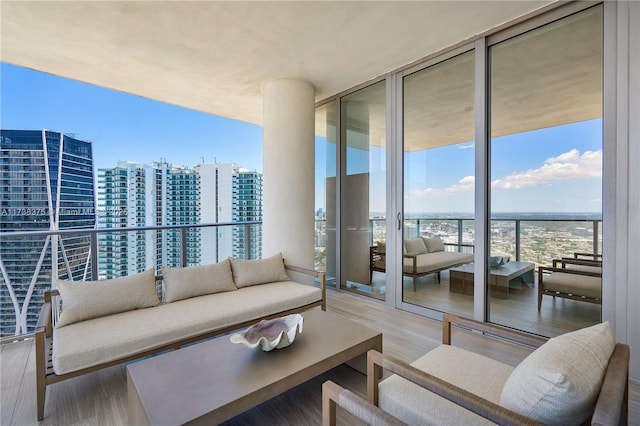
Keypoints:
(364, 187)
(439, 182)
(546, 171)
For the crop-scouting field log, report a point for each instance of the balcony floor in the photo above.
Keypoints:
(100, 398)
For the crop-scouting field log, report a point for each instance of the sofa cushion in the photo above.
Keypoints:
(415, 246)
(433, 244)
(581, 285)
(559, 382)
(99, 340)
(83, 300)
(437, 261)
(382, 247)
(258, 271)
(182, 283)
(473, 372)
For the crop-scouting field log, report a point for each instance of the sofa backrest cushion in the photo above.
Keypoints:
(182, 283)
(560, 381)
(433, 244)
(415, 246)
(258, 271)
(83, 300)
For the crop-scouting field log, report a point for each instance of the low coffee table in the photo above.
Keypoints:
(461, 278)
(213, 381)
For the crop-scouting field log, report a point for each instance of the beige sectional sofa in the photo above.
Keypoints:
(422, 256)
(108, 322)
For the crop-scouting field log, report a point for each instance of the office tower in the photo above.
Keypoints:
(216, 195)
(47, 184)
(146, 194)
(228, 194)
(247, 207)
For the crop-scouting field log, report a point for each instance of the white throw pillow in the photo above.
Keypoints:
(258, 271)
(415, 246)
(182, 283)
(560, 381)
(433, 244)
(83, 300)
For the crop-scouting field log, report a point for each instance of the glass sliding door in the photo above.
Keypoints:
(363, 190)
(546, 174)
(438, 184)
(325, 186)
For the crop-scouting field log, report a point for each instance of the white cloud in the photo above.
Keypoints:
(570, 165)
(469, 146)
(567, 166)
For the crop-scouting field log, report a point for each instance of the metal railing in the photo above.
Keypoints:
(31, 261)
(512, 234)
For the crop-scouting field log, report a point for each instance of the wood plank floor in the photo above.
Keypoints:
(519, 311)
(100, 398)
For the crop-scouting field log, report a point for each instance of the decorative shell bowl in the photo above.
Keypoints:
(271, 334)
(498, 261)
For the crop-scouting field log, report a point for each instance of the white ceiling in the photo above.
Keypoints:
(214, 56)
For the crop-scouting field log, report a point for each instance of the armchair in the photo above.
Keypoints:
(571, 278)
(547, 387)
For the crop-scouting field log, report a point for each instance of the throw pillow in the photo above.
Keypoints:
(433, 244)
(415, 246)
(182, 283)
(560, 381)
(382, 247)
(83, 300)
(258, 271)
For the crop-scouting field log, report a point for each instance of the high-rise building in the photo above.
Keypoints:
(247, 207)
(146, 194)
(46, 184)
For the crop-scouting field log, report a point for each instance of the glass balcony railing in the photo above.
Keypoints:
(536, 238)
(31, 261)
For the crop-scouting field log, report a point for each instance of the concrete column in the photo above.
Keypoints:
(289, 172)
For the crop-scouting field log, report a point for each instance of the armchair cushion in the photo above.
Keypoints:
(258, 271)
(83, 300)
(182, 283)
(560, 381)
(415, 246)
(475, 373)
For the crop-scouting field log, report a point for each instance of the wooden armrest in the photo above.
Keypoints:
(44, 320)
(333, 394)
(490, 329)
(593, 256)
(574, 261)
(612, 403)
(482, 407)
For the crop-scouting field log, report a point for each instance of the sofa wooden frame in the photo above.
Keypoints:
(45, 375)
(611, 406)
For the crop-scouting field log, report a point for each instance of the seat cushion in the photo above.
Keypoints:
(83, 300)
(559, 382)
(576, 284)
(437, 261)
(475, 373)
(182, 283)
(258, 271)
(99, 340)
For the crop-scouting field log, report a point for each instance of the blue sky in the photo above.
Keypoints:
(123, 126)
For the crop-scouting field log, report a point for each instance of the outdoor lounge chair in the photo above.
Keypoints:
(571, 278)
(547, 387)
